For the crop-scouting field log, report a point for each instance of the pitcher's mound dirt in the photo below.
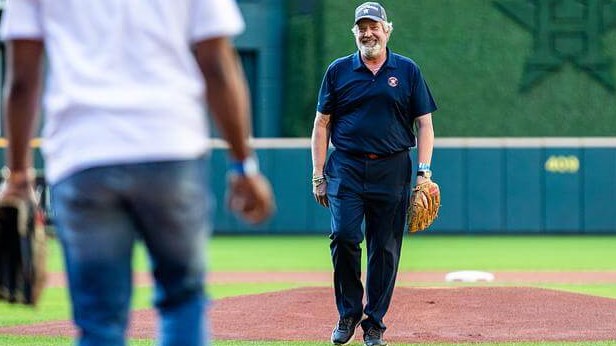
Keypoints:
(425, 314)
(462, 314)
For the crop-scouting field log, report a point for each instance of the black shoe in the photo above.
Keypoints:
(344, 331)
(374, 337)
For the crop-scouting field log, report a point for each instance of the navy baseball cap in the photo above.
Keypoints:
(370, 10)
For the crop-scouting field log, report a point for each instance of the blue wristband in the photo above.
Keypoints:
(246, 168)
(423, 166)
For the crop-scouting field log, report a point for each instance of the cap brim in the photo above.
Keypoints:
(374, 18)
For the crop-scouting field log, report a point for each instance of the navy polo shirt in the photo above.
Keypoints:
(374, 114)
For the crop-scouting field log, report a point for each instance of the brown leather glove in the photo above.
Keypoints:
(423, 206)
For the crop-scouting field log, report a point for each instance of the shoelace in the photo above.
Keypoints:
(373, 333)
(345, 324)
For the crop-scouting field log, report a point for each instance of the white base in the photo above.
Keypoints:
(469, 276)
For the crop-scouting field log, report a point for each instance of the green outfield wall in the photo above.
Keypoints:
(497, 68)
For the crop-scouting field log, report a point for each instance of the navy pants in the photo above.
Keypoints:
(374, 192)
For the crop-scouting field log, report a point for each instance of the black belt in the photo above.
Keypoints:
(373, 156)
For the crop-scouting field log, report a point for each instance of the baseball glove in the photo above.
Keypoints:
(22, 251)
(423, 206)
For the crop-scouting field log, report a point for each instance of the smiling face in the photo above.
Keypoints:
(371, 38)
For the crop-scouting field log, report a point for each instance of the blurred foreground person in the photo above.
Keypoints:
(125, 144)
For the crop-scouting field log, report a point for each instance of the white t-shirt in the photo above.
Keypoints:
(123, 85)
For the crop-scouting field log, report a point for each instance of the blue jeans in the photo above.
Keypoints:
(101, 212)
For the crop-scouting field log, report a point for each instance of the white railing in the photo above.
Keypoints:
(458, 142)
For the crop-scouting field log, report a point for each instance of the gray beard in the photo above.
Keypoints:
(370, 52)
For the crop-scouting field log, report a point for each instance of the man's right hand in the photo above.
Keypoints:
(251, 197)
(319, 190)
(18, 184)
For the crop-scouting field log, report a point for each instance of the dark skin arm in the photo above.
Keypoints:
(21, 102)
(227, 98)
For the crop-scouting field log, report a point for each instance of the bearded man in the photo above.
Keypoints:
(375, 106)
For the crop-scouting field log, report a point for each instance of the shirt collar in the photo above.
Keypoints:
(389, 63)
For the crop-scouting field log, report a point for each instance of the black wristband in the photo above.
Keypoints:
(424, 173)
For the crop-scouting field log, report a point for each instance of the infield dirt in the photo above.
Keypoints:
(431, 314)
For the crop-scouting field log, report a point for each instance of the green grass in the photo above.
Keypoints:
(53, 306)
(425, 253)
(311, 253)
(510, 253)
(601, 290)
(419, 253)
